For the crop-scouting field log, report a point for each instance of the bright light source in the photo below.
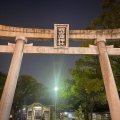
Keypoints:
(24, 108)
(38, 107)
(66, 113)
(56, 88)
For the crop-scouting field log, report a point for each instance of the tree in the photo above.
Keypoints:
(110, 17)
(66, 98)
(2, 82)
(28, 90)
(78, 113)
(86, 87)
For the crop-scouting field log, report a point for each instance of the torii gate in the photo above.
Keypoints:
(61, 36)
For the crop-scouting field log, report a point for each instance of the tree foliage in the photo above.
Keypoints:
(78, 113)
(28, 90)
(2, 82)
(110, 17)
(86, 88)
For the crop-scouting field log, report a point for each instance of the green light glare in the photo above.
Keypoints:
(58, 65)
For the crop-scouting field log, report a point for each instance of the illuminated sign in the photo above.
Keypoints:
(61, 33)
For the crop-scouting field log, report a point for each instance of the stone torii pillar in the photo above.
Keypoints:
(108, 78)
(11, 81)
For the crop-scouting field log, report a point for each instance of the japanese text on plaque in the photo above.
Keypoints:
(61, 36)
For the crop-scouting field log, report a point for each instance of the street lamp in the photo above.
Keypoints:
(56, 88)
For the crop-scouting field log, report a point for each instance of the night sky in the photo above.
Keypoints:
(43, 14)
